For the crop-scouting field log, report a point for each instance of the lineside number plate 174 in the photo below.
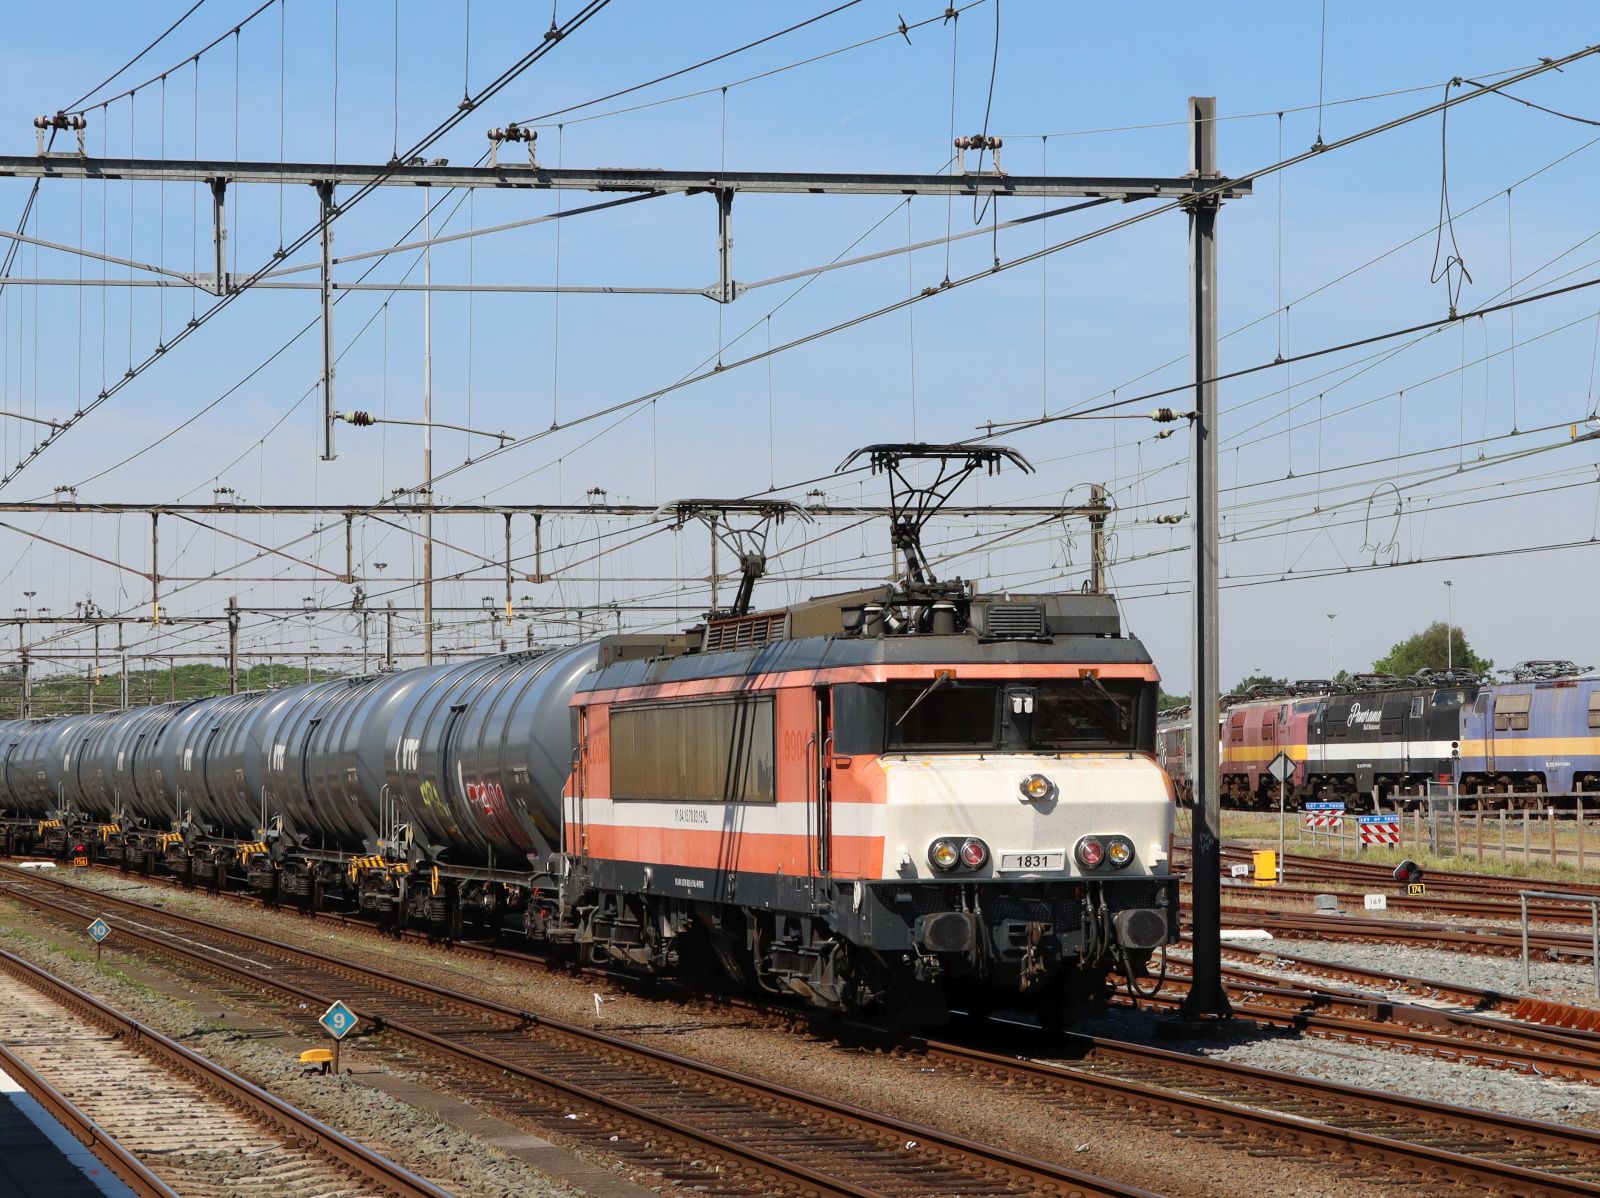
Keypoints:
(1055, 859)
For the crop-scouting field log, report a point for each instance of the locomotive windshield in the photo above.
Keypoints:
(1084, 714)
(1047, 716)
(945, 717)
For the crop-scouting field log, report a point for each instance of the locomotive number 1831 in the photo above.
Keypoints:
(1047, 861)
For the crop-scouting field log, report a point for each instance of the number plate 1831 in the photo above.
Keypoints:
(1053, 859)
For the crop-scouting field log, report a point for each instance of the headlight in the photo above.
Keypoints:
(943, 854)
(1119, 851)
(1037, 786)
(1090, 852)
(974, 853)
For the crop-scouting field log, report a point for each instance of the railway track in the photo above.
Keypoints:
(696, 1125)
(1500, 941)
(1257, 1109)
(1456, 996)
(1371, 873)
(1428, 990)
(1282, 1113)
(167, 1120)
(1350, 1016)
(1430, 904)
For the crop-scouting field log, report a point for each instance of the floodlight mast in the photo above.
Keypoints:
(913, 504)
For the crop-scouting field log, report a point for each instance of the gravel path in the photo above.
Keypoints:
(1144, 1153)
(191, 1138)
(460, 1163)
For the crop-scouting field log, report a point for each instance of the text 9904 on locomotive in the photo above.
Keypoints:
(891, 800)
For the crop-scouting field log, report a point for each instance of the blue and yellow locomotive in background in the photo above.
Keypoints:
(1532, 737)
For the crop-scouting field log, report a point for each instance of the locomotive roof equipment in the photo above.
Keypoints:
(1536, 671)
(914, 503)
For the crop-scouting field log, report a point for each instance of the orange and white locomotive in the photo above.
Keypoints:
(967, 806)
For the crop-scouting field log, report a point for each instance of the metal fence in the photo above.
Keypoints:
(1560, 835)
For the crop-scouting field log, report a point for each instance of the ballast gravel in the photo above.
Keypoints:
(1389, 1071)
(1557, 981)
(462, 1164)
(1140, 1150)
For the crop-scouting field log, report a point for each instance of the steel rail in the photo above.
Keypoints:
(129, 1169)
(1439, 1120)
(1444, 936)
(1334, 868)
(1510, 1044)
(1478, 998)
(271, 1109)
(1205, 1108)
(1048, 1175)
(1482, 908)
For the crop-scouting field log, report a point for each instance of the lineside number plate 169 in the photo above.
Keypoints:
(1055, 859)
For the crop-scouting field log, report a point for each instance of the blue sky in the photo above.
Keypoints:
(1039, 337)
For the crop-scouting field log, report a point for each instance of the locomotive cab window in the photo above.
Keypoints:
(943, 715)
(1082, 714)
(1594, 708)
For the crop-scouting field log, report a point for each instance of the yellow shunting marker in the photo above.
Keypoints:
(1266, 867)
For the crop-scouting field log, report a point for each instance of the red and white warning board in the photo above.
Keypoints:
(1380, 829)
(1324, 819)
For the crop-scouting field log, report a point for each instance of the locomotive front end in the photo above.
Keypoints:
(1026, 828)
(1032, 865)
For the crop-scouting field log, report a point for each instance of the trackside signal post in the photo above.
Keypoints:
(1206, 997)
(338, 1021)
(98, 931)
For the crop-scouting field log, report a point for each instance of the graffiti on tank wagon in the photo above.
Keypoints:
(437, 807)
(487, 797)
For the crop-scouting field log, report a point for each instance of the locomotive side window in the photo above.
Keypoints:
(1594, 708)
(857, 719)
(951, 716)
(1511, 713)
(719, 751)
